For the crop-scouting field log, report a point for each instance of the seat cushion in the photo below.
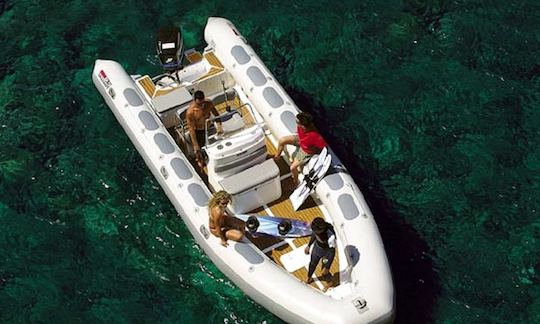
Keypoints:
(251, 177)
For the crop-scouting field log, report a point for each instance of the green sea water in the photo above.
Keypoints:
(434, 107)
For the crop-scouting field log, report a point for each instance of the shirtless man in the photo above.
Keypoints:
(221, 224)
(197, 114)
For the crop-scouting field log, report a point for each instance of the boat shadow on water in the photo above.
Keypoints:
(416, 282)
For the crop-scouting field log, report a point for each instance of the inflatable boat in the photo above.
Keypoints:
(254, 112)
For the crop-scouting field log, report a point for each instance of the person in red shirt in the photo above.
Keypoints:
(307, 140)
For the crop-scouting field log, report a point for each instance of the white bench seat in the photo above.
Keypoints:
(253, 187)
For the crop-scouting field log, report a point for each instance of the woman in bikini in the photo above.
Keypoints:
(221, 224)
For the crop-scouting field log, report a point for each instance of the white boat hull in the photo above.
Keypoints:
(366, 293)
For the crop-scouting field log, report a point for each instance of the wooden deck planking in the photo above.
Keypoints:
(193, 56)
(148, 85)
(233, 103)
(213, 60)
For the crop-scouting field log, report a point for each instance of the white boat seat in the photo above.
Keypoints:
(233, 123)
(254, 187)
(173, 98)
(250, 178)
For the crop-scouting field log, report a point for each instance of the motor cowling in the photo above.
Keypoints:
(170, 47)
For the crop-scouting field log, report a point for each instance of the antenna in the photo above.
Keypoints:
(227, 108)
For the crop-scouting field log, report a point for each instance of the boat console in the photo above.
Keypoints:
(237, 158)
(238, 164)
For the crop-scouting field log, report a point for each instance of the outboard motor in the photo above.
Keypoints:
(170, 47)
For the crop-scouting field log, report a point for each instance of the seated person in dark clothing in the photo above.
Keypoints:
(197, 114)
(324, 237)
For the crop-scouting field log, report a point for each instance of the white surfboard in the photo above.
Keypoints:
(311, 179)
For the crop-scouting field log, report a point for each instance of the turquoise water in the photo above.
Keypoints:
(432, 105)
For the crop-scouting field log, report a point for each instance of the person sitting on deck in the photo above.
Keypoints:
(307, 140)
(197, 113)
(221, 224)
(324, 237)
